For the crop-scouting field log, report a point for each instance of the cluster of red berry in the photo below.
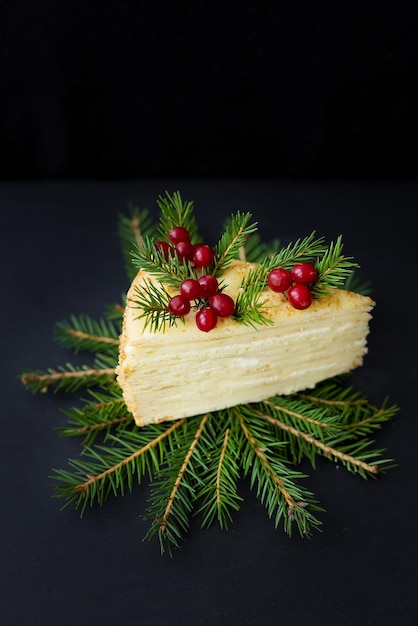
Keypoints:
(204, 291)
(295, 283)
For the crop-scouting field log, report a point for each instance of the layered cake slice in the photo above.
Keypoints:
(180, 371)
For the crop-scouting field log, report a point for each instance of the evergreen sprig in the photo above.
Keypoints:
(249, 307)
(194, 465)
(303, 249)
(170, 271)
(152, 302)
(132, 228)
(82, 332)
(237, 231)
(176, 212)
(103, 410)
(334, 269)
(71, 378)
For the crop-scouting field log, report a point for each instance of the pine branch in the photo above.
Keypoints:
(106, 470)
(84, 333)
(354, 283)
(170, 271)
(249, 307)
(234, 238)
(115, 311)
(256, 251)
(301, 250)
(309, 432)
(273, 480)
(131, 230)
(333, 268)
(173, 494)
(152, 301)
(218, 495)
(70, 378)
(99, 414)
(176, 212)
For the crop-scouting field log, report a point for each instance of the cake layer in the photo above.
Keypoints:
(183, 371)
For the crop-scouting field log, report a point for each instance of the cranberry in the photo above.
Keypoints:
(203, 255)
(179, 306)
(208, 285)
(222, 304)
(300, 296)
(178, 233)
(184, 250)
(279, 280)
(164, 248)
(190, 289)
(304, 273)
(206, 319)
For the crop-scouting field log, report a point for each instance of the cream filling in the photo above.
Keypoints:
(184, 380)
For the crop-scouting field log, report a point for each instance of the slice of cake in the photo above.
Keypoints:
(181, 371)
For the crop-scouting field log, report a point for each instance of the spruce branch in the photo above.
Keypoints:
(171, 271)
(228, 247)
(132, 228)
(256, 251)
(173, 493)
(310, 432)
(176, 212)
(249, 305)
(69, 377)
(105, 470)
(152, 300)
(115, 311)
(218, 494)
(274, 481)
(333, 268)
(85, 333)
(303, 249)
(99, 413)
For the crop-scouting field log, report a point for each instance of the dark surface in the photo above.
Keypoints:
(60, 255)
(141, 88)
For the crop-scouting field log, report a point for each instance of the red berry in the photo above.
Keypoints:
(208, 285)
(206, 319)
(178, 233)
(300, 296)
(203, 255)
(304, 273)
(179, 306)
(190, 289)
(184, 250)
(164, 248)
(279, 280)
(222, 304)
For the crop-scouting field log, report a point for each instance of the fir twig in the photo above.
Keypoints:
(176, 212)
(219, 491)
(106, 470)
(172, 496)
(101, 412)
(132, 228)
(333, 269)
(249, 305)
(69, 377)
(152, 302)
(84, 333)
(234, 238)
(274, 481)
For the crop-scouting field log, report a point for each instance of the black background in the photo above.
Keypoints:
(129, 89)
(304, 114)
